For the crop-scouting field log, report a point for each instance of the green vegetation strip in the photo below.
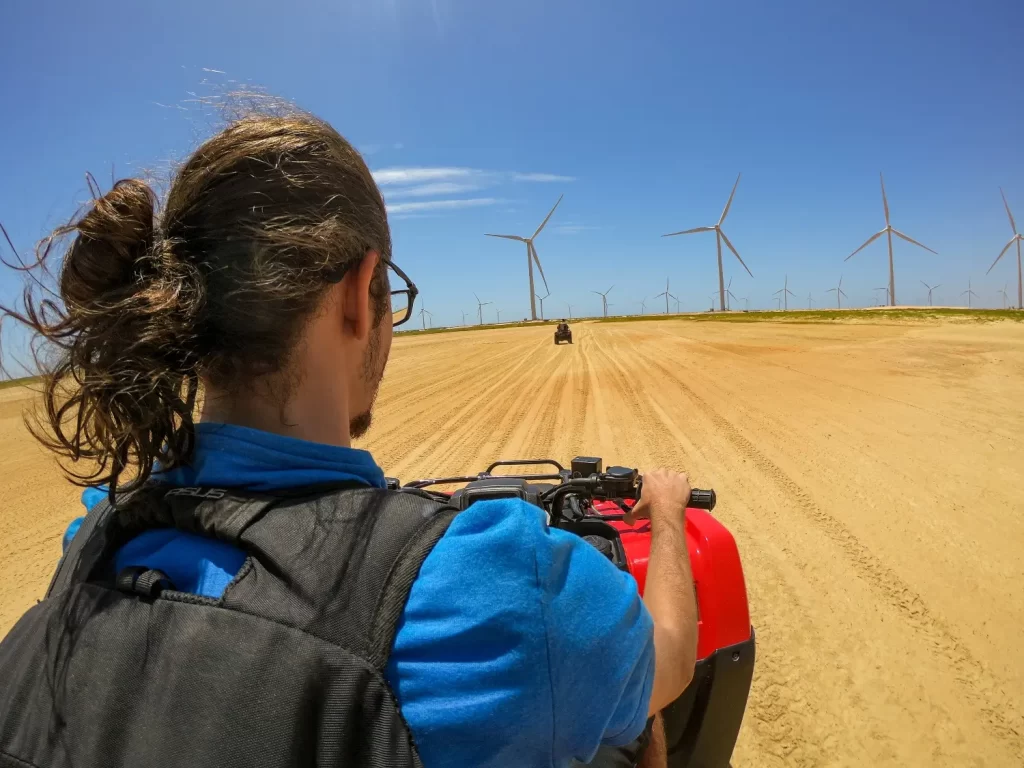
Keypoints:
(25, 380)
(837, 315)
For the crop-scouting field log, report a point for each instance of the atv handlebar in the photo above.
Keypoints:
(586, 478)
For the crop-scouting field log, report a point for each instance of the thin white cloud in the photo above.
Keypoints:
(541, 177)
(442, 205)
(434, 189)
(215, 71)
(396, 176)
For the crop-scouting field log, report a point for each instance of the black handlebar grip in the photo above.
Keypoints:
(701, 499)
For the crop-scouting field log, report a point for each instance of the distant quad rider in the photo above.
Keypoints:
(244, 590)
(562, 332)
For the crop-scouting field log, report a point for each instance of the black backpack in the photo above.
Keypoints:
(285, 669)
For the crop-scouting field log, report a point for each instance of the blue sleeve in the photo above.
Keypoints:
(520, 645)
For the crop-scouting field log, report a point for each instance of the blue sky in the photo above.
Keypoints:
(641, 114)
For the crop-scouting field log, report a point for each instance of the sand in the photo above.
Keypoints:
(873, 475)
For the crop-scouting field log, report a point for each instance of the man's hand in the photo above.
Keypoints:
(664, 496)
(669, 594)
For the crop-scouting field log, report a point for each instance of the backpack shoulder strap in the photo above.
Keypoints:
(85, 550)
(393, 592)
(340, 564)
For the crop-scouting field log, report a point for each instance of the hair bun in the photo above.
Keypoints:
(114, 244)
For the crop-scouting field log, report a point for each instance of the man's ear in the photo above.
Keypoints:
(357, 303)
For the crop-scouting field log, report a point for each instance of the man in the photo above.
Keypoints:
(259, 598)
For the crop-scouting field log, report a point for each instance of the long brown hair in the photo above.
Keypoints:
(217, 286)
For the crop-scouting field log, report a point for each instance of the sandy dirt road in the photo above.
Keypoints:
(873, 476)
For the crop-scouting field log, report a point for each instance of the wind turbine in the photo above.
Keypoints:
(886, 289)
(643, 306)
(570, 309)
(1003, 292)
(531, 257)
(666, 294)
(778, 302)
(480, 308)
(786, 293)
(1017, 238)
(810, 299)
(889, 231)
(729, 294)
(969, 293)
(746, 303)
(839, 292)
(423, 316)
(463, 317)
(712, 302)
(499, 315)
(604, 299)
(930, 289)
(541, 298)
(719, 237)
(677, 304)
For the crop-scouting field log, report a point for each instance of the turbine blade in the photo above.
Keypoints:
(937, 286)
(736, 253)
(885, 202)
(926, 285)
(1007, 205)
(509, 237)
(609, 290)
(843, 292)
(547, 217)
(912, 240)
(690, 231)
(725, 212)
(830, 290)
(536, 260)
(673, 296)
(867, 242)
(790, 292)
(1012, 241)
(598, 293)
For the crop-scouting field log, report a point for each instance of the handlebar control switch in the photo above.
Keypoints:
(619, 481)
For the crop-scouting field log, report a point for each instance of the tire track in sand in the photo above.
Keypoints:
(775, 700)
(999, 712)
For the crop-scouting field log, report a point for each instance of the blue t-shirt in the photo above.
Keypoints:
(519, 646)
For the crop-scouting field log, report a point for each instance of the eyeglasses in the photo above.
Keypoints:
(402, 299)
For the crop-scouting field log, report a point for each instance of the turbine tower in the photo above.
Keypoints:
(643, 306)
(839, 291)
(886, 289)
(423, 316)
(531, 257)
(463, 317)
(719, 237)
(1017, 238)
(604, 299)
(969, 293)
(667, 296)
(728, 294)
(930, 289)
(786, 293)
(541, 299)
(1002, 292)
(480, 308)
(570, 309)
(889, 231)
(810, 299)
